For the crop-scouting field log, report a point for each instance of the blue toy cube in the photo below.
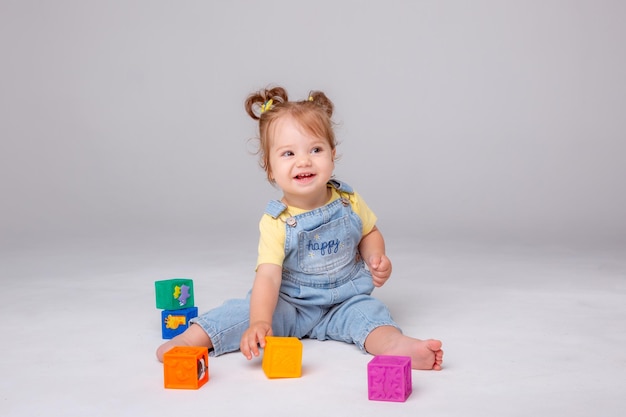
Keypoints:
(174, 322)
(389, 378)
(174, 294)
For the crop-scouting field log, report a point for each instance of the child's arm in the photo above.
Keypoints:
(262, 304)
(372, 249)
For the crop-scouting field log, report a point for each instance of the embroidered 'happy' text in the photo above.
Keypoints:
(324, 248)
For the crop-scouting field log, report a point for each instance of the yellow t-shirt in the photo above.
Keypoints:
(272, 231)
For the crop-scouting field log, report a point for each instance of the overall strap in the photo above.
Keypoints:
(340, 186)
(275, 208)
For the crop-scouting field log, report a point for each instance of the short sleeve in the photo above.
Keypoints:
(367, 216)
(271, 241)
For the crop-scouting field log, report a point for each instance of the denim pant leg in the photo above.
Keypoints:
(294, 319)
(353, 320)
(225, 325)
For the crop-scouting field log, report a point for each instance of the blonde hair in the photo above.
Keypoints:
(314, 115)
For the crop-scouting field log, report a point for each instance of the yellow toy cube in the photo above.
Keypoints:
(282, 357)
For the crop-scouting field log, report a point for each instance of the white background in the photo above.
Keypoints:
(488, 136)
(458, 120)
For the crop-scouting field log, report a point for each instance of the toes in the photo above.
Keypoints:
(433, 344)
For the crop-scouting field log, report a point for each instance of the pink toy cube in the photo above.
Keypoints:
(389, 378)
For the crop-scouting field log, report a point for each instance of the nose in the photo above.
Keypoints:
(304, 160)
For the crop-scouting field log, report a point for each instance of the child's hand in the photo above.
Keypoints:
(380, 267)
(253, 338)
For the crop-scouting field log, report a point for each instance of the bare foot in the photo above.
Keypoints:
(425, 354)
(193, 336)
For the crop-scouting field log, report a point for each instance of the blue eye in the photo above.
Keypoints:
(316, 150)
(287, 153)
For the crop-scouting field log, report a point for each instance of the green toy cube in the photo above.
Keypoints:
(174, 294)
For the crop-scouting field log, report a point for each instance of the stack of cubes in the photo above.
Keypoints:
(175, 297)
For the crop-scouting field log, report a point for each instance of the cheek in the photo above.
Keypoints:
(274, 168)
(268, 168)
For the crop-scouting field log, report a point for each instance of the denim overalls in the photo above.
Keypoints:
(326, 287)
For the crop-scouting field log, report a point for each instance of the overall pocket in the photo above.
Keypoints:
(326, 248)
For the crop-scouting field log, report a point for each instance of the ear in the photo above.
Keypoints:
(334, 153)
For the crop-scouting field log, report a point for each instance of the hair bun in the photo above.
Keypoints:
(256, 100)
(319, 98)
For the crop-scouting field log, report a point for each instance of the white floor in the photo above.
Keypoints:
(527, 331)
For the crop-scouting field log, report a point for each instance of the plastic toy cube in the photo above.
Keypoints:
(174, 322)
(174, 294)
(282, 357)
(389, 378)
(186, 367)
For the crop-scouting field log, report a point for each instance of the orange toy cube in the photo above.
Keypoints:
(186, 367)
(282, 357)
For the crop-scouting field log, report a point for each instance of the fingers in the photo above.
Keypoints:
(381, 264)
(374, 263)
(252, 340)
(380, 267)
(384, 265)
(250, 345)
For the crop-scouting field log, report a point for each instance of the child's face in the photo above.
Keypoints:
(301, 164)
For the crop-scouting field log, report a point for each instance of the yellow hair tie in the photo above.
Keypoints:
(267, 105)
(310, 98)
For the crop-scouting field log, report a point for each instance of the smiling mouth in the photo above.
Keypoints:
(304, 176)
